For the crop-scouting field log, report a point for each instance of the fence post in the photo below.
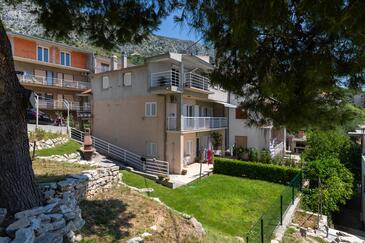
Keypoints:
(262, 230)
(292, 194)
(246, 239)
(281, 209)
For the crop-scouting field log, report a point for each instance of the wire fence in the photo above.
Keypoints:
(263, 229)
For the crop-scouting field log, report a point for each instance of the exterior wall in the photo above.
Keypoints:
(24, 48)
(256, 137)
(174, 148)
(79, 60)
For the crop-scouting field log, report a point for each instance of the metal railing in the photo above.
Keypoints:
(102, 69)
(56, 82)
(193, 80)
(276, 148)
(165, 79)
(201, 123)
(263, 229)
(60, 105)
(151, 166)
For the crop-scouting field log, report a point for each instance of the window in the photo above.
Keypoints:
(240, 113)
(42, 54)
(151, 149)
(128, 79)
(105, 82)
(189, 147)
(104, 67)
(150, 109)
(65, 58)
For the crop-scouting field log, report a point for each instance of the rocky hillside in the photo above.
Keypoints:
(21, 20)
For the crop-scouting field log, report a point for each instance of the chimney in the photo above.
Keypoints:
(124, 61)
(114, 62)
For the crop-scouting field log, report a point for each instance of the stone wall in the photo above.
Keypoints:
(60, 217)
(50, 143)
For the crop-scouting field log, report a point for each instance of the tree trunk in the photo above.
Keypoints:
(18, 190)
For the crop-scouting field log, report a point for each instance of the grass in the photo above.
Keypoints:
(66, 148)
(225, 205)
(53, 171)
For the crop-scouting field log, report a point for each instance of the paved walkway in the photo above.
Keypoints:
(193, 173)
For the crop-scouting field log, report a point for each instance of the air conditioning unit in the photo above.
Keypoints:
(173, 99)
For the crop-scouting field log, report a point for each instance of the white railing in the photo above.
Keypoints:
(102, 69)
(165, 79)
(48, 81)
(276, 147)
(197, 123)
(60, 105)
(151, 166)
(193, 80)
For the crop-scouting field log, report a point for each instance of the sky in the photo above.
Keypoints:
(175, 30)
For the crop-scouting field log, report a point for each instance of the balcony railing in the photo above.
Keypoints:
(102, 69)
(60, 105)
(193, 80)
(165, 79)
(56, 82)
(197, 123)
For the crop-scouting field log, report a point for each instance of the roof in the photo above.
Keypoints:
(50, 42)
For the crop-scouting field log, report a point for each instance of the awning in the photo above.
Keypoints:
(225, 104)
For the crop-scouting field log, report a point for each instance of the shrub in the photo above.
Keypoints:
(254, 170)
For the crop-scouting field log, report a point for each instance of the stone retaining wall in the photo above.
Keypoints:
(61, 217)
(50, 143)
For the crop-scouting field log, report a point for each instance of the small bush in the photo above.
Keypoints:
(254, 170)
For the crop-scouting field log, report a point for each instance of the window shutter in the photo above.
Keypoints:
(128, 79)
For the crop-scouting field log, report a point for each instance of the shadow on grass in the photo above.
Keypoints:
(106, 219)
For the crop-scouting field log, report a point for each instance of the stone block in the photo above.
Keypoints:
(30, 212)
(58, 224)
(135, 240)
(5, 239)
(55, 217)
(21, 223)
(25, 235)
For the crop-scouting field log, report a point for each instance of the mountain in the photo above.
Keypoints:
(22, 20)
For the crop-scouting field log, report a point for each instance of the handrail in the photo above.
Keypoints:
(42, 80)
(151, 166)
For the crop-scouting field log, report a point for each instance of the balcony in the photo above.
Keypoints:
(196, 81)
(53, 82)
(197, 123)
(60, 105)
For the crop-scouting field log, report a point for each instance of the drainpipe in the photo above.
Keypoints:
(165, 127)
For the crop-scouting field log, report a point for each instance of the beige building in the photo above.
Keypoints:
(164, 109)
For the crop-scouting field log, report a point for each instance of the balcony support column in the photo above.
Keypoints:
(179, 112)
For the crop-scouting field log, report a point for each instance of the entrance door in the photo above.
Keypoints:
(49, 77)
(240, 141)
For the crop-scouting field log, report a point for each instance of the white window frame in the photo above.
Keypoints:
(127, 79)
(150, 104)
(65, 52)
(151, 149)
(189, 147)
(105, 84)
(43, 47)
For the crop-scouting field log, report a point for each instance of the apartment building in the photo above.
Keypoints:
(264, 137)
(164, 109)
(59, 74)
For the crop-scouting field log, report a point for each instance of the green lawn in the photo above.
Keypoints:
(225, 205)
(66, 148)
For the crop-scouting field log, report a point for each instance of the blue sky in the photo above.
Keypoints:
(175, 30)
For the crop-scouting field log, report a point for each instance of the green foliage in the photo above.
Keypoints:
(41, 134)
(335, 188)
(66, 148)
(136, 59)
(333, 144)
(293, 61)
(217, 139)
(254, 170)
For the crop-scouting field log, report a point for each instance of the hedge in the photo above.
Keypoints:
(255, 170)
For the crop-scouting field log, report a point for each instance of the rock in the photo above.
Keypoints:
(70, 215)
(145, 234)
(25, 235)
(5, 239)
(153, 227)
(135, 240)
(55, 217)
(30, 212)
(197, 226)
(146, 190)
(3, 213)
(21, 223)
(58, 224)
(48, 237)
